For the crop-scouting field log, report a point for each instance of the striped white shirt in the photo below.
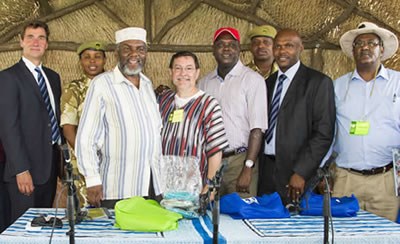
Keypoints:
(118, 141)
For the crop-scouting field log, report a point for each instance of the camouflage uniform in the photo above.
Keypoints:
(71, 109)
(254, 67)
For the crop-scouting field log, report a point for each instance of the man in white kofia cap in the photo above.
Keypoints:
(368, 121)
(118, 140)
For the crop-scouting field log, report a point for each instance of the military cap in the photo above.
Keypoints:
(92, 45)
(263, 30)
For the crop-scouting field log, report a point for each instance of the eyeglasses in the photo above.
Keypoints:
(370, 44)
(46, 222)
(187, 69)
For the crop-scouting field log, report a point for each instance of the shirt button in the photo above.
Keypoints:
(49, 125)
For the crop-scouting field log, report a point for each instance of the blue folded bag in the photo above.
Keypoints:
(264, 207)
(313, 203)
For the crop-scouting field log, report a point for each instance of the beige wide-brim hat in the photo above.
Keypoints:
(389, 39)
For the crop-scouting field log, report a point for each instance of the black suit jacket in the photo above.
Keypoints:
(305, 125)
(2, 156)
(25, 129)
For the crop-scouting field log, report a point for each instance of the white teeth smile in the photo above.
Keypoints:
(134, 61)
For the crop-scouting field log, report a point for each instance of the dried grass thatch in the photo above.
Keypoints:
(189, 25)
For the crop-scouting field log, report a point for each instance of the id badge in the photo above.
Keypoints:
(359, 128)
(176, 116)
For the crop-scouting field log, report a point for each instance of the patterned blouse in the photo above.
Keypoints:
(198, 132)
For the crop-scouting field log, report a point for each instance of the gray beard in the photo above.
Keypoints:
(130, 72)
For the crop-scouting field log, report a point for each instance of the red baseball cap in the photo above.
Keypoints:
(232, 31)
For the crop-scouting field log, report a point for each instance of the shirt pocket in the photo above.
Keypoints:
(387, 112)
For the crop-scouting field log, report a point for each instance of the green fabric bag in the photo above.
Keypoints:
(138, 214)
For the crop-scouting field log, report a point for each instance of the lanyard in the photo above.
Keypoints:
(373, 83)
(370, 94)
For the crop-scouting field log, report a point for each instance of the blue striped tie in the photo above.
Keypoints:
(273, 114)
(55, 132)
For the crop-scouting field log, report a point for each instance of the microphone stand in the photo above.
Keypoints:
(215, 185)
(326, 207)
(322, 174)
(74, 213)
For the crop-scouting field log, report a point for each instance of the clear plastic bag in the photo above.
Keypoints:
(181, 181)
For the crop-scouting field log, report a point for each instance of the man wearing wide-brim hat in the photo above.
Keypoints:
(368, 121)
(118, 142)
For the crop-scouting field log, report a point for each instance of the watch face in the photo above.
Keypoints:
(249, 163)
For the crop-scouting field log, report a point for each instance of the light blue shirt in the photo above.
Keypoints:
(376, 102)
(290, 73)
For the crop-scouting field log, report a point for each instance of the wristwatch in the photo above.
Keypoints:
(249, 163)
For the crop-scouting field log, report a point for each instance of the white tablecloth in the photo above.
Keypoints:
(365, 228)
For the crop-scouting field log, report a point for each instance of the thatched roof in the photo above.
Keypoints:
(174, 25)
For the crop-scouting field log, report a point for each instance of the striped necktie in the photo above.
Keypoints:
(273, 114)
(55, 132)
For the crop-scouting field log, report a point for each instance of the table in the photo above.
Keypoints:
(365, 228)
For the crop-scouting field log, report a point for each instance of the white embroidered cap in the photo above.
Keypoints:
(130, 33)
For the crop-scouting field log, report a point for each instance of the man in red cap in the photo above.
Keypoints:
(242, 95)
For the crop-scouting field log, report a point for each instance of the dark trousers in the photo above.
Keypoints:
(266, 183)
(5, 218)
(42, 196)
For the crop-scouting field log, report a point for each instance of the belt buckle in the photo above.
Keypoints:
(366, 172)
(374, 171)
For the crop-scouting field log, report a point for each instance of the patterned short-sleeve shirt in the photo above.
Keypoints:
(200, 133)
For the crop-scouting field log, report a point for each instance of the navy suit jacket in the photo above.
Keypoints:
(305, 125)
(25, 129)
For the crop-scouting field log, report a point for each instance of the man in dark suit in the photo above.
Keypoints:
(301, 121)
(4, 199)
(29, 131)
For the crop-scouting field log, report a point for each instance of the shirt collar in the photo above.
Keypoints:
(30, 65)
(383, 73)
(253, 66)
(291, 72)
(120, 78)
(235, 71)
(86, 80)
